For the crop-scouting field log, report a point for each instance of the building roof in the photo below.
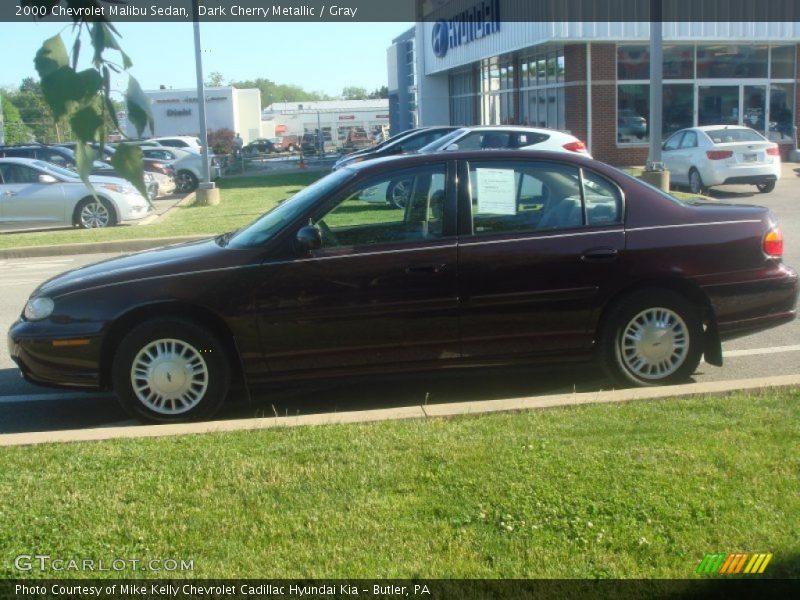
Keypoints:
(328, 105)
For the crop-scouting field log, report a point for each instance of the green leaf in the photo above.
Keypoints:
(102, 39)
(127, 161)
(90, 82)
(85, 124)
(51, 56)
(127, 63)
(84, 157)
(61, 90)
(139, 112)
(76, 52)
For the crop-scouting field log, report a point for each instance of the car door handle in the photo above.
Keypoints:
(10, 194)
(599, 255)
(425, 269)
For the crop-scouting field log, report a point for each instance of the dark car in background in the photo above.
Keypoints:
(408, 141)
(502, 257)
(260, 146)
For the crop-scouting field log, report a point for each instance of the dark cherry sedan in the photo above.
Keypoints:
(495, 258)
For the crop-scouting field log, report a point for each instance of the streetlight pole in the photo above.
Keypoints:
(654, 170)
(206, 192)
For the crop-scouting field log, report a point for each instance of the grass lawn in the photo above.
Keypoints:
(242, 200)
(642, 489)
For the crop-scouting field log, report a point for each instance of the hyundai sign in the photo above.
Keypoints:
(475, 23)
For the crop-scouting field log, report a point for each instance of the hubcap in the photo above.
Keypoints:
(400, 194)
(695, 182)
(654, 344)
(185, 181)
(94, 214)
(169, 376)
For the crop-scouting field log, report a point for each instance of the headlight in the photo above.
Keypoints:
(120, 189)
(39, 308)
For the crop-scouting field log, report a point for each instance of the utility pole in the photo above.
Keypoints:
(206, 192)
(654, 170)
(2, 123)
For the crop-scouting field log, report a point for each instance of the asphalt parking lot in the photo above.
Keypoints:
(24, 407)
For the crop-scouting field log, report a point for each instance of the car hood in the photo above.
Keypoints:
(167, 261)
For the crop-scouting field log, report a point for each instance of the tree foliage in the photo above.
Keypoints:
(272, 92)
(215, 79)
(14, 128)
(82, 97)
(353, 92)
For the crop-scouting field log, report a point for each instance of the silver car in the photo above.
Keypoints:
(35, 194)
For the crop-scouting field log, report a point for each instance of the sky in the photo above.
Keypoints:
(323, 57)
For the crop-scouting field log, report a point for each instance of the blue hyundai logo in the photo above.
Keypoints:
(440, 39)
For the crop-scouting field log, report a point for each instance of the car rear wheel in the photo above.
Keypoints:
(169, 370)
(186, 182)
(398, 192)
(696, 185)
(93, 213)
(652, 337)
(765, 188)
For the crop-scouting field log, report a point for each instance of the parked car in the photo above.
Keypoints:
(187, 165)
(509, 137)
(357, 138)
(310, 142)
(702, 157)
(408, 141)
(630, 124)
(62, 155)
(288, 143)
(187, 142)
(37, 194)
(502, 257)
(260, 146)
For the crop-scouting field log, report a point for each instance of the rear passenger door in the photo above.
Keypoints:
(538, 243)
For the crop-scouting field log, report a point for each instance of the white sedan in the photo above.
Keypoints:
(35, 194)
(495, 137)
(701, 157)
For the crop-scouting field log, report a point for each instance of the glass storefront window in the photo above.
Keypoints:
(633, 62)
(678, 62)
(718, 105)
(678, 103)
(734, 61)
(781, 119)
(633, 113)
(755, 107)
(782, 62)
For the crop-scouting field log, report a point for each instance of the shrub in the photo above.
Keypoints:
(221, 141)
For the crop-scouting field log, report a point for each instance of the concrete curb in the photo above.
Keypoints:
(409, 412)
(156, 218)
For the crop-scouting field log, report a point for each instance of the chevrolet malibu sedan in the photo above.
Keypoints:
(507, 257)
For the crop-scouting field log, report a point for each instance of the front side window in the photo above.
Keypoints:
(404, 206)
(674, 142)
(689, 140)
(18, 174)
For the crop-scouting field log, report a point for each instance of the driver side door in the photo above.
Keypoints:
(381, 291)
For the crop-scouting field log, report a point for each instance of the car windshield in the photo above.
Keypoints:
(270, 223)
(55, 170)
(441, 142)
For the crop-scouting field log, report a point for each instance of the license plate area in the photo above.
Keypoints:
(750, 157)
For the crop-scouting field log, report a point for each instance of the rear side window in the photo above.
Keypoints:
(727, 136)
(539, 196)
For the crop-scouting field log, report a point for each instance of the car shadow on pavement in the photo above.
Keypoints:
(26, 408)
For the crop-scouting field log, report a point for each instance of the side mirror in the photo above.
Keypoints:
(47, 179)
(309, 238)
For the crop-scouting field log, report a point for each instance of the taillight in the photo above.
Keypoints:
(719, 154)
(773, 151)
(773, 242)
(576, 146)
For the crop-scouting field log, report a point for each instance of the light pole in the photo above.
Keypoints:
(207, 193)
(655, 173)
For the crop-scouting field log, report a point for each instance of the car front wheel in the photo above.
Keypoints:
(169, 370)
(92, 213)
(398, 192)
(652, 337)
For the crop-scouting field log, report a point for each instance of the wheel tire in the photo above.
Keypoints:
(94, 213)
(397, 193)
(291, 148)
(632, 339)
(163, 389)
(696, 185)
(186, 182)
(765, 188)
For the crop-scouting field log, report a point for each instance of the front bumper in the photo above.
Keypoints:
(56, 355)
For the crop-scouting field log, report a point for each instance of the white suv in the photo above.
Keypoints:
(188, 165)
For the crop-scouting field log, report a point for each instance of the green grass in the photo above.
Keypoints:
(642, 489)
(242, 200)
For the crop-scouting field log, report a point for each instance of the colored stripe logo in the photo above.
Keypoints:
(731, 564)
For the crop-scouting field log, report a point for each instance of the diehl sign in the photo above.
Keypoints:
(475, 23)
(183, 112)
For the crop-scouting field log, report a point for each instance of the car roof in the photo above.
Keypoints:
(411, 160)
(718, 127)
(523, 128)
(21, 161)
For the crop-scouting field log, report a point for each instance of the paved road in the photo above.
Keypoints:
(24, 407)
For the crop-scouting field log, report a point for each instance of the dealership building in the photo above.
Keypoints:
(592, 78)
(175, 112)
